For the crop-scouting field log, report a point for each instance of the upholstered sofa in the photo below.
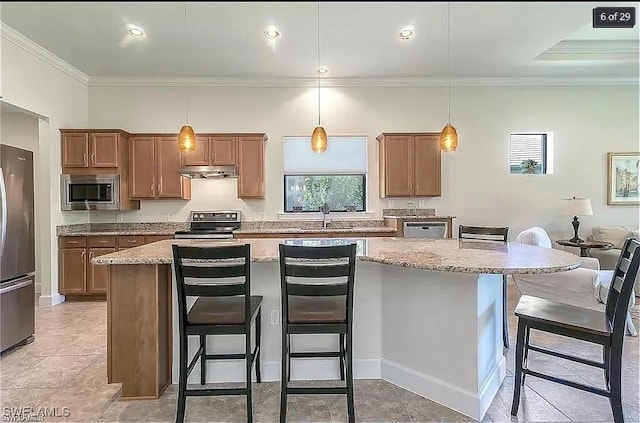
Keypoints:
(615, 235)
(586, 286)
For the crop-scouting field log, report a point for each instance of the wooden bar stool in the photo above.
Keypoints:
(604, 328)
(225, 307)
(312, 307)
(491, 234)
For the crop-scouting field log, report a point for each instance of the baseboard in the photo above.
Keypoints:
(50, 300)
(301, 369)
(451, 396)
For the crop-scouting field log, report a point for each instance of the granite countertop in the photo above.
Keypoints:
(112, 229)
(419, 218)
(272, 230)
(448, 255)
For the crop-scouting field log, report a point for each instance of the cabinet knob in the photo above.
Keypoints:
(83, 257)
(102, 241)
(84, 158)
(90, 255)
(213, 158)
(93, 158)
(152, 192)
(73, 242)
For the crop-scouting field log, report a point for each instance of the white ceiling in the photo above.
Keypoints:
(358, 40)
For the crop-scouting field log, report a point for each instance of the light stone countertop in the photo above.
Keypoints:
(419, 218)
(447, 255)
(271, 230)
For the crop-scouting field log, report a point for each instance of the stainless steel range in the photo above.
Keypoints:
(211, 225)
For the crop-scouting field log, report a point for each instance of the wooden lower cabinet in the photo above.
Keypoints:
(98, 276)
(73, 270)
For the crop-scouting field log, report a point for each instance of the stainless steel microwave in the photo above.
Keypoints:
(90, 192)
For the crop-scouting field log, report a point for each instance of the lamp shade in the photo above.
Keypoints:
(577, 207)
(186, 139)
(319, 140)
(448, 138)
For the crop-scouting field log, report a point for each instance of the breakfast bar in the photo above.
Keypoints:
(427, 316)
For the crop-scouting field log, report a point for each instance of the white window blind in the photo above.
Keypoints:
(344, 155)
(526, 147)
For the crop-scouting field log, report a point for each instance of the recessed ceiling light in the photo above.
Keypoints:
(407, 33)
(135, 32)
(272, 33)
(323, 70)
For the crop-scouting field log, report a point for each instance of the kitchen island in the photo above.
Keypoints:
(427, 316)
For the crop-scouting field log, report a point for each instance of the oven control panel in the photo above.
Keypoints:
(216, 216)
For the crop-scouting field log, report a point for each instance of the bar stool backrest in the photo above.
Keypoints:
(484, 233)
(336, 263)
(621, 287)
(212, 272)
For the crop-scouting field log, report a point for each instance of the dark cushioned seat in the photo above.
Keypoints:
(317, 309)
(220, 310)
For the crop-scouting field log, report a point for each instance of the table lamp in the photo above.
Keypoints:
(577, 207)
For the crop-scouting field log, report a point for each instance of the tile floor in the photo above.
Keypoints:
(64, 372)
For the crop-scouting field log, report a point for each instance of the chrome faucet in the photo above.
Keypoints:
(325, 213)
(411, 210)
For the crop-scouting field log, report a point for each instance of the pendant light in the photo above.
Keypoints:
(319, 136)
(186, 138)
(449, 135)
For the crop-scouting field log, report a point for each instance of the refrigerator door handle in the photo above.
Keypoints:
(3, 204)
(16, 286)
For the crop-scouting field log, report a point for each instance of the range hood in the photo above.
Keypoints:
(209, 171)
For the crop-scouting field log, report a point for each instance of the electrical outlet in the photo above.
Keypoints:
(119, 217)
(274, 317)
(421, 204)
(390, 204)
(170, 217)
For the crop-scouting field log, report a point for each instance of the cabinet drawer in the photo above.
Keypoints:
(102, 241)
(128, 241)
(72, 242)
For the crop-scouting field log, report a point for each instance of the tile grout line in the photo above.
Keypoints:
(550, 403)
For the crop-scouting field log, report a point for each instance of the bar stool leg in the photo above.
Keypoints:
(615, 381)
(182, 380)
(258, 344)
(505, 313)
(288, 358)
(517, 383)
(203, 359)
(606, 357)
(525, 354)
(342, 354)
(350, 405)
(284, 377)
(248, 364)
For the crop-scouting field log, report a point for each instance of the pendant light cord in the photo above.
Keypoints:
(186, 53)
(318, 64)
(449, 61)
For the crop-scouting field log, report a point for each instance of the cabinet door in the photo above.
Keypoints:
(72, 270)
(142, 180)
(168, 178)
(75, 150)
(98, 275)
(250, 167)
(222, 151)
(398, 151)
(199, 156)
(427, 165)
(104, 150)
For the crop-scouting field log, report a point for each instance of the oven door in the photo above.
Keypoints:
(90, 192)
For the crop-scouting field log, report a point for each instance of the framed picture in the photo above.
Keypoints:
(622, 178)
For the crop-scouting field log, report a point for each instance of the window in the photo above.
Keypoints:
(336, 177)
(530, 153)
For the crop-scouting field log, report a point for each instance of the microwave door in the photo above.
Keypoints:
(90, 193)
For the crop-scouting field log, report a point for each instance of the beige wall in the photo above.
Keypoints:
(477, 186)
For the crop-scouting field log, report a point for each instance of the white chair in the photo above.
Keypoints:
(586, 286)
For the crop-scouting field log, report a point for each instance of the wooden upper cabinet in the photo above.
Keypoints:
(427, 165)
(200, 155)
(168, 177)
(75, 149)
(103, 150)
(222, 151)
(72, 268)
(142, 167)
(155, 168)
(251, 166)
(409, 165)
(398, 152)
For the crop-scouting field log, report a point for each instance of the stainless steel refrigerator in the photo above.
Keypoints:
(17, 247)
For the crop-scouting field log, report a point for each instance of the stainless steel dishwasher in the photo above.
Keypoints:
(425, 229)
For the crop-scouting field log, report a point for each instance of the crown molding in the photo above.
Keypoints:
(356, 82)
(593, 50)
(19, 40)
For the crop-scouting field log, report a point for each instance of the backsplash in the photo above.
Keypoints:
(311, 224)
(403, 212)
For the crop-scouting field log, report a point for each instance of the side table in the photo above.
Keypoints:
(584, 246)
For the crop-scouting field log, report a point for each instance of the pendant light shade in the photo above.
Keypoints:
(319, 140)
(186, 139)
(448, 138)
(449, 135)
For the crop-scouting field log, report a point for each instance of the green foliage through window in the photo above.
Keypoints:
(307, 193)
